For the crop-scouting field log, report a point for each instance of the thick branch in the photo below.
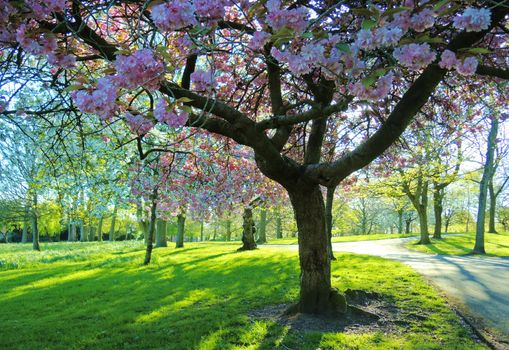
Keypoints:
(493, 72)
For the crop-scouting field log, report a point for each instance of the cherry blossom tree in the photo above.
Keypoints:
(267, 74)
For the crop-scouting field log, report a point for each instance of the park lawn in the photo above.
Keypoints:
(495, 245)
(99, 296)
(351, 238)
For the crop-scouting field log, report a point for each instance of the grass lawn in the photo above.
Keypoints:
(495, 245)
(352, 238)
(99, 296)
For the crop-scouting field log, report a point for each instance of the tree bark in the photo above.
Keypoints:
(248, 230)
(228, 236)
(316, 294)
(438, 197)
(161, 234)
(35, 226)
(24, 235)
(328, 216)
(279, 226)
(152, 227)
(100, 229)
(493, 208)
(113, 222)
(262, 227)
(487, 176)
(400, 221)
(181, 221)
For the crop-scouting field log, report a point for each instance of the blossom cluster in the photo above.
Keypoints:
(278, 18)
(473, 20)
(170, 117)
(465, 67)
(100, 101)
(203, 81)
(142, 68)
(379, 91)
(34, 42)
(138, 124)
(414, 56)
(173, 15)
(42, 9)
(61, 60)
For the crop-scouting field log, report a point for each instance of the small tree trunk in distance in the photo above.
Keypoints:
(262, 235)
(181, 221)
(161, 234)
(487, 176)
(152, 227)
(279, 226)
(100, 229)
(400, 221)
(438, 197)
(228, 236)
(248, 230)
(82, 231)
(24, 236)
(201, 230)
(35, 228)
(423, 215)
(316, 294)
(113, 222)
(328, 222)
(493, 208)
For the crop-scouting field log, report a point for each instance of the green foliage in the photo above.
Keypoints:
(99, 296)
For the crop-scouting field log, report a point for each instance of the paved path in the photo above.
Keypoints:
(481, 284)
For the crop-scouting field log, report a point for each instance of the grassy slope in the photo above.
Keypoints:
(495, 245)
(352, 238)
(98, 296)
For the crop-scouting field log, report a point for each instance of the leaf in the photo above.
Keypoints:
(368, 24)
(440, 4)
(368, 81)
(396, 10)
(343, 47)
(73, 87)
(476, 50)
(307, 35)
(184, 100)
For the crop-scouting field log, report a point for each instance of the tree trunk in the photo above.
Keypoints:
(152, 227)
(438, 196)
(407, 226)
(228, 236)
(493, 207)
(316, 294)
(113, 222)
(279, 226)
(248, 230)
(35, 227)
(487, 176)
(181, 221)
(24, 235)
(423, 226)
(400, 221)
(201, 230)
(100, 229)
(262, 227)
(161, 234)
(91, 233)
(328, 222)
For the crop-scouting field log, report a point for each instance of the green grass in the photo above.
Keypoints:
(351, 238)
(495, 245)
(98, 296)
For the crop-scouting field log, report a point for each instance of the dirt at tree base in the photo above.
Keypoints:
(367, 312)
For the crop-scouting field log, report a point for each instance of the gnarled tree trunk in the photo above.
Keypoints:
(493, 207)
(438, 198)
(181, 221)
(248, 230)
(316, 294)
(262, 227)
(161, 234)
(328, 215)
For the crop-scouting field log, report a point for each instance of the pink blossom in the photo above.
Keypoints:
(172, 117)
(422, 20)
(366, 40)
(473, 20)
(376, 92)
(142, 68)
(258, 40)
(100, 101)
(278, 18)
(203, 81)
(468, 66)
(61, 60)
(414, 56)
(138, 124)
(42, 9)
(448, 60)
(174, 15)
(387, 36)
(36, 43)
(210, 9)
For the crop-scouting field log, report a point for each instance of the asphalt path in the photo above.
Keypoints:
(480, 284)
